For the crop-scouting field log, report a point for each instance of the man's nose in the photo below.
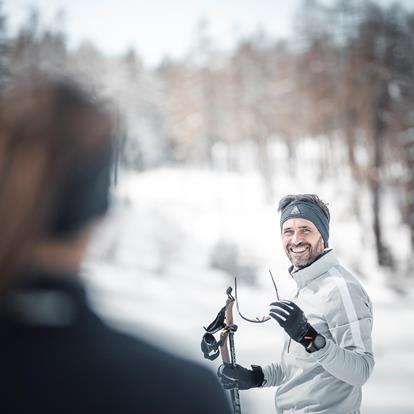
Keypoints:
(296, 238)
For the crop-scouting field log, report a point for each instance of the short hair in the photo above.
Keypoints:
(309, 198)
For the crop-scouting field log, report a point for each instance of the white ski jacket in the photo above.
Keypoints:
(328, 380)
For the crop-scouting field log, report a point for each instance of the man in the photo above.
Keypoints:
(327, 355)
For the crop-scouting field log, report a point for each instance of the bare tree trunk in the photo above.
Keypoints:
(384, 256)
(408, 155)
(291, 156)
(376, 207)
(265, 168)
(356, 174)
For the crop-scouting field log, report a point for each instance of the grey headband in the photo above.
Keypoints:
(308, 211)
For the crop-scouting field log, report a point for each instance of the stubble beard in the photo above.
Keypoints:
(309, 256)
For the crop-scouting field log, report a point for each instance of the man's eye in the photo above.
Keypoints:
(288, 233)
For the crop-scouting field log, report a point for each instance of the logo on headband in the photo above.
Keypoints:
(295, 210)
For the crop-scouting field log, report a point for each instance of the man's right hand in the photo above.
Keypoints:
(242, 378)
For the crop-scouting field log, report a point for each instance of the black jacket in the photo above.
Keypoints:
(57, 356)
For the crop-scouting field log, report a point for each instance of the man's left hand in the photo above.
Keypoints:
(292, 319)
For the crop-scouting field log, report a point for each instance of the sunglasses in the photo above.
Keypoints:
(255, 320)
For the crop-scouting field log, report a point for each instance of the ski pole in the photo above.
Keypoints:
(210, 347)
(228, 332)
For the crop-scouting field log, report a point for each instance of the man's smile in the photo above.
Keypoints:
(298, 250)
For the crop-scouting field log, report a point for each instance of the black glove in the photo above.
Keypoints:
(292, 319)
(242, 378)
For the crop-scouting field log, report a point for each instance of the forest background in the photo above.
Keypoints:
(208, 142)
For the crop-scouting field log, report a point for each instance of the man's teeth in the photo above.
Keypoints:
(298, 249)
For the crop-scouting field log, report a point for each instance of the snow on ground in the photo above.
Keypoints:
(149, 271)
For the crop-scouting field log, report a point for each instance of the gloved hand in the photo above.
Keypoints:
(292, 319)
(242, 378)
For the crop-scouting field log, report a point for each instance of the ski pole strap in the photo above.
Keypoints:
(218, 322)
(210, 347)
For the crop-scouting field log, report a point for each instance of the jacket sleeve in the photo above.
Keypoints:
(349, 366)
(272, 375)
(348, 354)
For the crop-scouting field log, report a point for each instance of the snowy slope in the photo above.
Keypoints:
(149, 271)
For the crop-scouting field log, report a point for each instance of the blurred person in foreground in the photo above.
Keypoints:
(56, 355)
(327, 355)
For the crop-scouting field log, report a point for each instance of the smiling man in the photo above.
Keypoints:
(327, 355)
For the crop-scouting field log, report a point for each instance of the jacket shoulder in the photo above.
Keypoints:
(337, 279)
(143, 369)
(344, 295)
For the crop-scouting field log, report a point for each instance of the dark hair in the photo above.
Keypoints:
(48, 129)
(310, 198)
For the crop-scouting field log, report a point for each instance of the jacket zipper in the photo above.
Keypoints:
(290, 339)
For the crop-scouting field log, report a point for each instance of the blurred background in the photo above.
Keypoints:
(222, 108)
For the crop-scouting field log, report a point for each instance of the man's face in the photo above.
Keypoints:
(302, 241)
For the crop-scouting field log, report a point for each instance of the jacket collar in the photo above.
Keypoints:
(317, 268)
(44, 298)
